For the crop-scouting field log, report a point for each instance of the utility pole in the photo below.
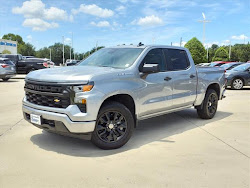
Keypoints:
(207, 53)
(70, 52)
(180, 41)
(229, 51)
(63, 49)
(96, 45)
(50, 54)
(171, 44)
(204, 21)
(72, 47)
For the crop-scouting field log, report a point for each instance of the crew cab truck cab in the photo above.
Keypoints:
(104, 97)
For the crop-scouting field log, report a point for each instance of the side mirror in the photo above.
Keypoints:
(150, 68)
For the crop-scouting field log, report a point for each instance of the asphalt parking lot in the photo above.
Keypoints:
(174, 150)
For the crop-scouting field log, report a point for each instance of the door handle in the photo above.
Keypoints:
(167, 78)
(192, 76)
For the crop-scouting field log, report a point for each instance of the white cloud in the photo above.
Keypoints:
(38, 24)
(209, 44)
(36, 10)
(119, 8)
(30, 9)
(178, 43)
(123, 1)
(29, 38)
(54, 13)
(240, 37)
(93, 10)
(67, 40)
(126, 1)
(101, 24)
(148, 21)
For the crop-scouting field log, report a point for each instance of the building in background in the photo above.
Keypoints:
(8, 45)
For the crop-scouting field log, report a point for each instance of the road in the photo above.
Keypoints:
(174, 150)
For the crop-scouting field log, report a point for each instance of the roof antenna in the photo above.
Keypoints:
(140, 44)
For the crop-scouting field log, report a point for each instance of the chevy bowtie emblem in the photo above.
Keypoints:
(56, 100)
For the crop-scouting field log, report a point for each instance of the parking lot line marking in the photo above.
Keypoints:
(11, 127)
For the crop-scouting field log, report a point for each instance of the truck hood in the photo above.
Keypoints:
(74, 74)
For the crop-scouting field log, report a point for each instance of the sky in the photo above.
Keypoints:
(116, 22)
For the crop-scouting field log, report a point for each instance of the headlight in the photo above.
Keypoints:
(83, 88)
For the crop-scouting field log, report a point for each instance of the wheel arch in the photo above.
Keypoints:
(125, 99)
(216, 87)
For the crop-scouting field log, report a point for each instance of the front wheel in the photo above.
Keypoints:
(5, 79)
(114, 126)
(237, 83)
(209, 107)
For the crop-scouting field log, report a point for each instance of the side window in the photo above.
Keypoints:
(177, 59)
(155, 56)
(19, 57)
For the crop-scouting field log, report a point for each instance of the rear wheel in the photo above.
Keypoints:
(237, 83)
(114, 126)
(5, 79)
(209, 107)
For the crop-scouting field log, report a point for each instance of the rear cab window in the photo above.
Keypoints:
(176, 59)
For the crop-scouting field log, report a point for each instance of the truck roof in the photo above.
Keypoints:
(147, 46)
(3, 58)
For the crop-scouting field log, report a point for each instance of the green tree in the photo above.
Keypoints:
(26, 49)
(197, 50)
(43, 53)
(211, 52)
(6, 52)
(11, 36)
(240, 52)
(221, 55)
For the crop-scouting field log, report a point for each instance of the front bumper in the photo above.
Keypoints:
(59, 118)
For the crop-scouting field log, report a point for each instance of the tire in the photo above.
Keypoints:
(237, 84)
(5, 79)
(114, 126)
(209, 107)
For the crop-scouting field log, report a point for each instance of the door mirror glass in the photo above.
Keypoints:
(150, 68)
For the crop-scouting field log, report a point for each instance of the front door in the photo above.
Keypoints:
(155, 94)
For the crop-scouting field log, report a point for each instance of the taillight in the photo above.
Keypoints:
(45, 64)
(4, 66)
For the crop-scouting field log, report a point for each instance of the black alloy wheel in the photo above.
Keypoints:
(209, 107)
(111, 126)
(212, 103)
(114, 126)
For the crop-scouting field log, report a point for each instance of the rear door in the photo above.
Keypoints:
(155, 94)
(183, 75)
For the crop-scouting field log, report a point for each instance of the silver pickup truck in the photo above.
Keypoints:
(104, 97)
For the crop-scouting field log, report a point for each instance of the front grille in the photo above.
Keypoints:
(50, 101)
(57, 96)
(44, 88)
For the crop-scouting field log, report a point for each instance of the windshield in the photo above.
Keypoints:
(216, 64)
(242, 67)
(113, 57)
(225, 66)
